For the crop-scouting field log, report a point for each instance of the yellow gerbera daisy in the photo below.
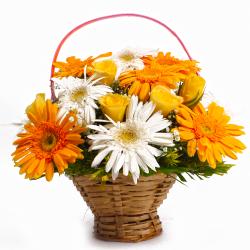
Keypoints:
(185, 67)
(75, 66)
(48, 141)
(140, 82)
(209, 133)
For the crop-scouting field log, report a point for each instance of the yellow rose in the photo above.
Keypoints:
(114, 105)
(107, 69)
(164, 99)
(192, 90)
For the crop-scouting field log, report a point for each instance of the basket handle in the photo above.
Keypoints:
(53, 96)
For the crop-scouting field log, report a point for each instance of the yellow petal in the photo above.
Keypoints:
(114, 105)
(192, 89)
(107, 69)
(38, 107)
(164, 99)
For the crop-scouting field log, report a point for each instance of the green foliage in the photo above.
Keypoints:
(179, 163)
(174, 161)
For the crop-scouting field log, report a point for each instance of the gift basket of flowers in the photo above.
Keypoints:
(124, 127)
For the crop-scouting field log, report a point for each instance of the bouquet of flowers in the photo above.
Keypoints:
(120, 119)
(132, 113)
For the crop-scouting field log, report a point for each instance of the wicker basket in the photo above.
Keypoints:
(124, 211)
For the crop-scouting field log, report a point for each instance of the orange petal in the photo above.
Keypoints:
(184, 122)
(41, 168)
(25, 166)
(230, 153)
(135, 88)
(22, 140)
(233, 143)
(25, 159)
(186, 135)
(205, 142)
(60, 163)
(191, 147)
(199, 109)
(210, 159)
(202, 156)
(73, 137)
(144, 92)
(216, 152)
(65, 152)
(32, 166)
(74, 148)
(185, 114)
(49, 171)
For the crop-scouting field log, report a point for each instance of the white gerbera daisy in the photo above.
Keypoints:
(129, 143)
(130, 59)
(80, 95)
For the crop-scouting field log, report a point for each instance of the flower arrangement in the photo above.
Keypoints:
(124, 127)
(132, 113)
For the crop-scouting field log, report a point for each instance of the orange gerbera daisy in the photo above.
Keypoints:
(185, 67)
(140, 82)
(47, 141)
(75, 66)
(209, 133)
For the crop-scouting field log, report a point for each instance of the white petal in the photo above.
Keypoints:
(161, 141)
(131, 107)
(97, 147)
(158, 127)
(148, 159)
(142, 164)
(92, 114)
(137, 113)
(98, 128)
(134, 176)
(147, 111)
(164, 135)
(100, 156)
(119, 163)
(111, 160)
(100, 137)
(154, 151)
(134, 167)
(114, 174)
(126, 165)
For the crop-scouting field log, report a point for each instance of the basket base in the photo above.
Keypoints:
(128, 228)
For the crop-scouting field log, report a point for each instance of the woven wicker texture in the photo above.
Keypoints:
(124, 211)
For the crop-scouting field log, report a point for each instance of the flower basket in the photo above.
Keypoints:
(124, 211)
(124, 128)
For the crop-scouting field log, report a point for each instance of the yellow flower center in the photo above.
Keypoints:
(48, 141)
(127, 136)
(127, 56)
(207, 130)
(78, 94)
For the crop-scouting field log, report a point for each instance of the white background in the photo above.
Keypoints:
(211, 214)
